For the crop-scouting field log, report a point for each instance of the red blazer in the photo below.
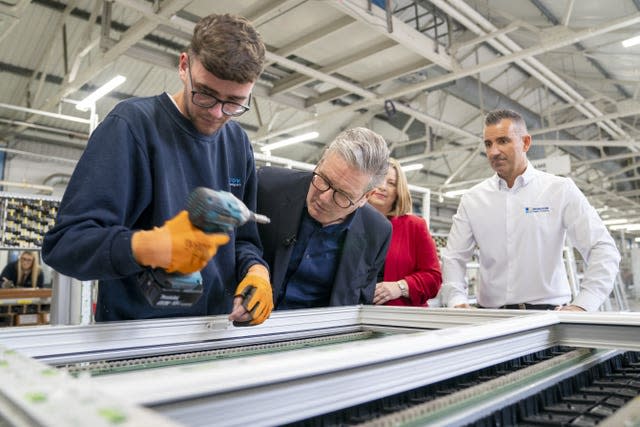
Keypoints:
(413, 257)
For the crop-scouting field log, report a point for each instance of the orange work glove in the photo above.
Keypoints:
(255, 290)
(176, 246)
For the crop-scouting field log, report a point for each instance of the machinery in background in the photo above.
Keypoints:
(24, 306)
(25, 219)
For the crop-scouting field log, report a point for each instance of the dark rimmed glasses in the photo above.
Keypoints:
(205, 100)
(322, 184)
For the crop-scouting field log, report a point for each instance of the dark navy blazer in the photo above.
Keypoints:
(281, 196)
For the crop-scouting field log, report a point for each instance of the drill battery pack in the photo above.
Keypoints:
(162, 289)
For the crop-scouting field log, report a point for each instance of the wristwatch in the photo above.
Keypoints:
(404, 289)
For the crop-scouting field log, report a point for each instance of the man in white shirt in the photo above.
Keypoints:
(518, 219)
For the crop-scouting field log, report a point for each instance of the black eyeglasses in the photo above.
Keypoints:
(205, 100)
(339, 198)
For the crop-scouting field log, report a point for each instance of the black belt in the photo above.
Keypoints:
(526, 306)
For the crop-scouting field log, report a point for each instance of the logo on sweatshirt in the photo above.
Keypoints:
(543, 209)
(235, 182)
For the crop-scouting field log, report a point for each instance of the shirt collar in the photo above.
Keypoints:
(339, 227)
(521, 180)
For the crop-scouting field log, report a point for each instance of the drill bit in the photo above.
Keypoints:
(260, 219)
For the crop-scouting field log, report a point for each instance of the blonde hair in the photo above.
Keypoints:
(403, 204)
(35, 269)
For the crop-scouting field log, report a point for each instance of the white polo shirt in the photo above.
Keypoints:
(520, 233)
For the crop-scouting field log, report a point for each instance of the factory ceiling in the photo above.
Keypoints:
(420, 72)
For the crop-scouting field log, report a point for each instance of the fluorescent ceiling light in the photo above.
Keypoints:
(290, 141)
(615, 221)
(617, 227)
(631, 42)
(90, 100)
(455, 193)
(184, 24)
(412, 167)
(626, 227)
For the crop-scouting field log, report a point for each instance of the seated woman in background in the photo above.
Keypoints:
(23, 273)
(411, 273)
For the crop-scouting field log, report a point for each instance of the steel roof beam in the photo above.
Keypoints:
(402, 33)
(478, 24)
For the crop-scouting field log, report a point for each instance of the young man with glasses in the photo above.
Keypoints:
(123, 210)
(325, 244)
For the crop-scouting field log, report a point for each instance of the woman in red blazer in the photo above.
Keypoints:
(412, 268)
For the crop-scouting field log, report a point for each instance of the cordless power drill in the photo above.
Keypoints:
(212, 212)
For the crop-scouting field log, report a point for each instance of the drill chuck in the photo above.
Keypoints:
(219, 211)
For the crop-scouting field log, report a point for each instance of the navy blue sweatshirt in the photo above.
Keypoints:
(139, 166)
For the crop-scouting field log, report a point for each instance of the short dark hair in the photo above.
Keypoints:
(229, 47)
(495, 116)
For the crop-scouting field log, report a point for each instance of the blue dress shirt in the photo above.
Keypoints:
(313, 264)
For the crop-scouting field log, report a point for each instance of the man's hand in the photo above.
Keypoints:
(465, 305)
(253, 300)
(176, 246)
(569, 307)
(386, 291)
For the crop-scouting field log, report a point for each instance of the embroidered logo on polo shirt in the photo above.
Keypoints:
(543, 209)
(235, 182)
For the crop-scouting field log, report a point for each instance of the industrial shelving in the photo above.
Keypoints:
(24, 219)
